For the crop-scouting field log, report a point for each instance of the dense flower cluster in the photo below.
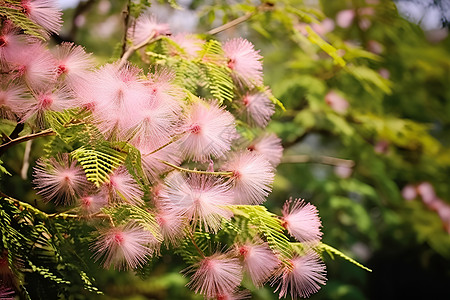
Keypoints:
(172, 130)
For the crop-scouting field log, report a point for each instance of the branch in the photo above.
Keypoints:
(196, 171)
(326, 160)
(9, 144)
(131, 50)
(126, 20)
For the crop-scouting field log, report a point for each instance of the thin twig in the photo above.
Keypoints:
(26, 160)
(174, 139)
(232, 23)
(191, 236)
(126, 21)
(196, 171)
(131, 50)
(6, 146)
(326, 160)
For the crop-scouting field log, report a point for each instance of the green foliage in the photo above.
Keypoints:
(332, 251)
(20, 20)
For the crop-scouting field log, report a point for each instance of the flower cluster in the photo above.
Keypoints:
(195, 163)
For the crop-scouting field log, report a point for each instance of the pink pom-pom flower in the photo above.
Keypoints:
(208, 131)
(199, 198)
(147, 27)
(302, 221)
(91, 204)
(188, 43)
(59, 180)
(216, 275)
(252, 177)
(45, 13)
(259, 261)
(303, 277)
(11, 42)
(258, 108)
(269, 146)
(124, 247)
(123, 188)
(244, 62)
(336, 102)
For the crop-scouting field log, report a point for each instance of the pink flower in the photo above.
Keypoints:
(200, 198)
(269, 146)
(73, 63)
(244, 62)
(6, 293)
(409, 192)
(240, 295)
(426, 191)
(252, 177)
(336, 102)
(45, 13)
(216, 275)
(343, 171)
(375, 47)
(188, 43)
(151, 162)
(303, 277)
(324, 27)
(60, 180)
(171, 226)
(259, 262)
(11, 42)
(302, 221)
(381, 147)
(147, 27)
(209, 131)
(125, 247)
(344, 18)
(13, 94)
(91, 204)
(258, 107)
(122, 187)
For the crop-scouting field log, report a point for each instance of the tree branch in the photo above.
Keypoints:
(232, 23)
(326, 160)
(126, 21)
(131, 50)
(9, 144)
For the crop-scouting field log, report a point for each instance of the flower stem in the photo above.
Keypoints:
(196, 171)
(9, 144)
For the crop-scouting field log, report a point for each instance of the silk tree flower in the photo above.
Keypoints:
(216, 275)
(303, 277)
(302, 221)
(426, 191)
(151, 162)
(259, 261)
(73, 64)
(91, 204)
(199, 198)
(45, 13)
(124, 247)
(208, 131)
(171, 225)
(147, 27)
(244, 62)
(189, 44)
(123, 188)
(258, 108)
(336, 102)
(236, 295)
(269, 146)
(344, 18)
(12, 94)
(11, 42)
(409, 192)
(252, 177)
(59, 180)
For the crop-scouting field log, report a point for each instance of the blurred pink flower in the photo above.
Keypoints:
(11, 42)
(327, 25)
(269, 146)
(409, 192)
(384, 73)
(426, 191)
(123, 247)
(302, 277)
(59, 180)
(45, 13)
(6, 293)
(200, 198)
(344, 18)
(189, 43)
(216, 275)
(302, 221)
(171, 225)
(252, 177)
(258, 107)
(91, 204)
(147, 27)
(13, 94)
(336, 102)
(244, 62)
(343, 171)
(123, 188)
(375, 47)
(208, 131)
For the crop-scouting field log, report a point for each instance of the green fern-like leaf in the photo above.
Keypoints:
(314, 38)
(21, 21)
(98, 161)
(332, 251)
(219, 82)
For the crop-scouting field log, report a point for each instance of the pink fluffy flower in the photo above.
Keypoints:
(303, 278)
(60, 180)
(426, 191)
(244, 62)
(216, 275)
(269, 146)
(73, 63)
(122, 187)
(171, 226)
(188, 43)
(45, 13)
(147, 27)
(13, 94)
(209, 131)
(259, 262)
(302, 221)
(258, 108)
(252, 177)
(151, 162)
(11, 42)
(344, 18)
(6, 293)
(124, 247)
(237, 295)
(336, 102)
(343, 171)
(409, 192)
(91, 204)
(199, 198)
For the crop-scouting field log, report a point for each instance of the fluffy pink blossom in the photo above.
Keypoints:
(343, 171)
(13, 94)
(336, 102)
(258, 108)
(91, 204)
(324, 27)
(252, 177)
(125, 247)
(344, 18)
(188, 43)
(122, 187)
(151, 162)
(11, 42)
(409, 192)
(269, 146)
(237, 295)
(171, 226)
(259, 261)
(59, 180)
(244, 62)
(147, 27)
(208, 131)
(216, 275)
(45, 13)
(199, 198)
(73, 63)
(303, 277)
(302, 221)
(381, 147)
(375, 47)
(426, 191)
